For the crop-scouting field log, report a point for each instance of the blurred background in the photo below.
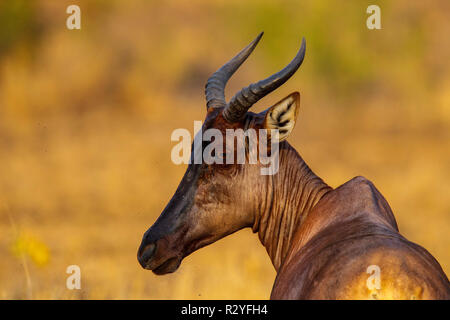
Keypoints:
(86, 117)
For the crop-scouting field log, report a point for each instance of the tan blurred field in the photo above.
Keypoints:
(86, 118)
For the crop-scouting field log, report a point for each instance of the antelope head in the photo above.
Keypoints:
(214, 200)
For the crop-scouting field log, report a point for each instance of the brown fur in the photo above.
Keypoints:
(320, 240)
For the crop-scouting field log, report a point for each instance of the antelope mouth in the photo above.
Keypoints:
(168, 266)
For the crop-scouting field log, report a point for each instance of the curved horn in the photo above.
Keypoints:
(244, 99)
(215, 86)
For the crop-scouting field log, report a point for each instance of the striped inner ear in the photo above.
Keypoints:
(282, 116)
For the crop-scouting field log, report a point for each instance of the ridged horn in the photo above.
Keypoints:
(244, 99)
(215, 86)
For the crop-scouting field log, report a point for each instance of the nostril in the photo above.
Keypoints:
(145, 253)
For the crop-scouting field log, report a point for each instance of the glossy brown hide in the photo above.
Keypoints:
(350, 229)
(321, 241)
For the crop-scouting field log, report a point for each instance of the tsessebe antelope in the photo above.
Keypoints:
(321, 240)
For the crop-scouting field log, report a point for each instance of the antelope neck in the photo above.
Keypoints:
(288, 197)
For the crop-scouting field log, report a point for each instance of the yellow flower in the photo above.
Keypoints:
(32, 247)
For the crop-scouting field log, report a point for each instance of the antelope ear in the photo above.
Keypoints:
(282, 115)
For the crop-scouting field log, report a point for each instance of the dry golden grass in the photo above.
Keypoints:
(86, 118)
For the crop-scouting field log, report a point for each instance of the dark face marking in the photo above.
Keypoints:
(207, 205)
